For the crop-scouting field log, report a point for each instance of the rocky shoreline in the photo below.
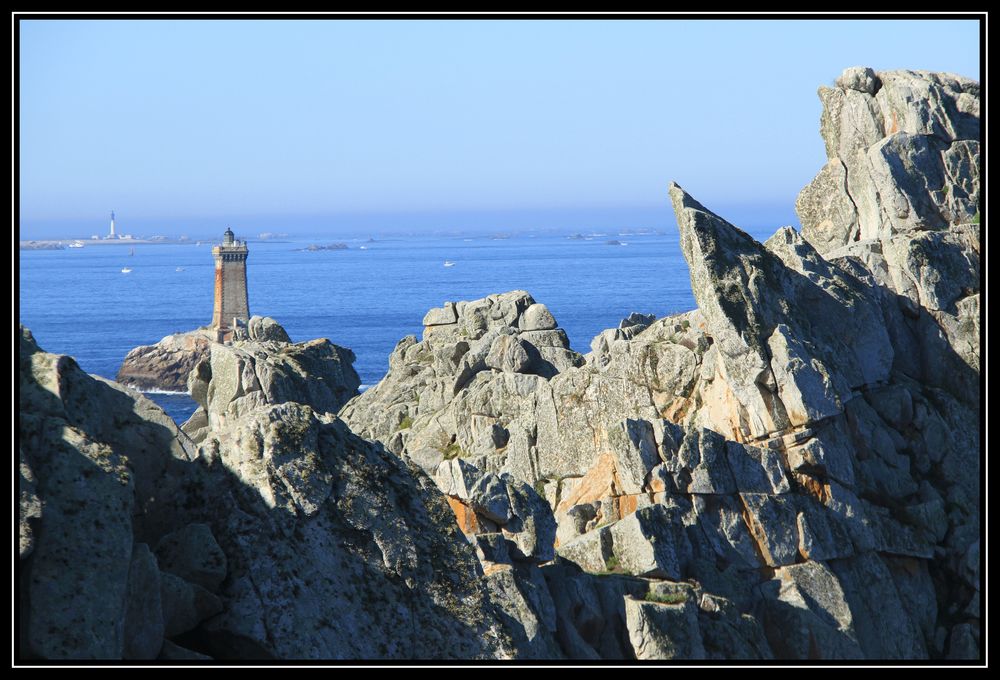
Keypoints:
(789, 471)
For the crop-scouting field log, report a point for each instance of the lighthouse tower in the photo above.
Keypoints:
(231, 303)
(112, 234)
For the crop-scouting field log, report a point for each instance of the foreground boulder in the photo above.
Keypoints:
(107, 472)
(283, 536)
(336, 548)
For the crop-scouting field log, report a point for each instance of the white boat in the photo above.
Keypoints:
(179, 269)
(76, 244)
(126, 270)
(363, 248)
(449, 263)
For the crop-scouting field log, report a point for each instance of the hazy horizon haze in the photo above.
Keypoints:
(336, 126)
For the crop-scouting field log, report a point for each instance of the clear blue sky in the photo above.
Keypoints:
(303, 124)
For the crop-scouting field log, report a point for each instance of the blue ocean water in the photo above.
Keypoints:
(78, 302)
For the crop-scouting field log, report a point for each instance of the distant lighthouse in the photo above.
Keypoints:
(231, 305)
(112, 234)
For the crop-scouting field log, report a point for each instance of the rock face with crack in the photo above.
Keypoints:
(899, 202)
(903, 149)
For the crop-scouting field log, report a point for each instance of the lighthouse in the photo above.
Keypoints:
(112, 234)
(231, 303)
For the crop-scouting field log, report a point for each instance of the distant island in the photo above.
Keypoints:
(312, 247)
(42, 245)
(60, 244)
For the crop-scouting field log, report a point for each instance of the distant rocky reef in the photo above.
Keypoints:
(789, 471)
(42, 245)
(312, 248)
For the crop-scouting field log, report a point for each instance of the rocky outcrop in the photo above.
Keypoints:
(334, 547)
(283, 536)
(106, 472)
(903, 149)
(467, 389)
(717, 496)
(783, 447)
(769, 310)
(898, 204)
(262, 329)
(167, 364)
(262, 369)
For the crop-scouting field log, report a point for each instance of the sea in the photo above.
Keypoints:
(366, 297)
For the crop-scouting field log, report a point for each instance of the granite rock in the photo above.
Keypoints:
(664, 631)
(192, 554)
(167, 364)
(143, 623)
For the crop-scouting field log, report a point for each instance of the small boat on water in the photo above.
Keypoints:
(363, 248)
(126, 270)
(76, 244)
(449, 263)
(179, 269)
